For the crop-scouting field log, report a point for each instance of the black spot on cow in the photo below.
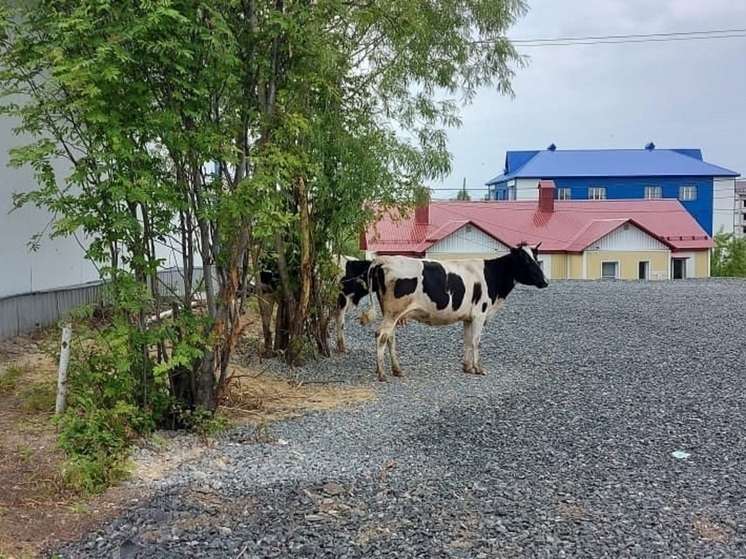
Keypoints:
(341, 301)
(378, 280)
(404, 286)
(484, 306)
(457, 289)
(354, 283)
(434, 284)
(477, 295)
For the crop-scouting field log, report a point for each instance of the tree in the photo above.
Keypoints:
(308, 111)
(463, 195)
(729, 256)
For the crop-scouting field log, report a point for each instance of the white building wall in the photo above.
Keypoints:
(627, 237)
(724, 205)
(58, 262)
(467, 239)
(527, 189)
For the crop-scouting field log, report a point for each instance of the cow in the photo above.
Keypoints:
(444, 292)
(353, 287)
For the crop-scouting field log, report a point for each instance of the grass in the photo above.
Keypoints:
(10, 376)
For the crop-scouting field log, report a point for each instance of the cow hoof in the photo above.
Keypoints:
(341, 349)
(397, 372)
(382, 377)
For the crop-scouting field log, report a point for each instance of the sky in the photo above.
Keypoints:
(676, 94)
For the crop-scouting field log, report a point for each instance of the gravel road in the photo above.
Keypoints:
(611, 423)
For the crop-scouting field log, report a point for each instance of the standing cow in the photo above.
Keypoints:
(443, 292)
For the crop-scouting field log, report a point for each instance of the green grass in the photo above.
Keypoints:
(10, 376)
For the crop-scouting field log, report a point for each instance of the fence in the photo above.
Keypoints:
(24, 313)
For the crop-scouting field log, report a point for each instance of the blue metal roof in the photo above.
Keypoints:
(609, 163)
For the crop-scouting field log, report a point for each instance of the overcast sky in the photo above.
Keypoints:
(677, 94)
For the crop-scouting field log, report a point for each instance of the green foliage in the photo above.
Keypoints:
(340, 107)
(97, 443)
(463, 194)
(729, 257)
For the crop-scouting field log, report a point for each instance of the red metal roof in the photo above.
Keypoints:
(571, 227)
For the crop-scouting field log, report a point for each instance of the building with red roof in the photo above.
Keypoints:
(580, 239)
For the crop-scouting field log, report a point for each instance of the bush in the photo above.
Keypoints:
(729, 257)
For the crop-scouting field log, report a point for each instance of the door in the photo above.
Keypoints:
(678, 266)
(643, 270)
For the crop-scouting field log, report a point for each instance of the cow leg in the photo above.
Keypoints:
(396, 369)
(342, 305)
(477, 326)
(383, 333)
(266, 304)
(468, 363)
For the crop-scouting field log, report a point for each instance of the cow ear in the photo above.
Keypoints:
(538, 245)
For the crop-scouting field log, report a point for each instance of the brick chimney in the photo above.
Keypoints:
(422, 213)
(546, 195)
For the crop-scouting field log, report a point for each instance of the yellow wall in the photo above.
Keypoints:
(702, 264)
(628, 262)
(575, 266)
(559, 266)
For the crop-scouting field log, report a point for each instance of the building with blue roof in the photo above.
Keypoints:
(707, 191)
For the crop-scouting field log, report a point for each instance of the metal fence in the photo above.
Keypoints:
(26, 312)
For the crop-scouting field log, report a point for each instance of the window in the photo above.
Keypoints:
(597, 193)
(643, 269)
(653, 192)
(564, 194)
(687, 193)
(744, 202)
(609, 270)
(511, 193)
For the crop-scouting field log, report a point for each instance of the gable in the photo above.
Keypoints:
(467, 239)
(627, 237)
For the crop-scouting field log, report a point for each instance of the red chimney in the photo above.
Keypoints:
(546, 195)
(363, 241)
(422, 213)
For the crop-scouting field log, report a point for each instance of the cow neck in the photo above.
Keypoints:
(500, 276)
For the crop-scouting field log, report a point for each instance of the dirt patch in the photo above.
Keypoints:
(37, 510)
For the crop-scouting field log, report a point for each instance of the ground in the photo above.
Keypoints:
(36, 509)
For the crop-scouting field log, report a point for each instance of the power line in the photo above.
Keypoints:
(630, 38)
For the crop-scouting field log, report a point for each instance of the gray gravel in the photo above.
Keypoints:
(610, 424)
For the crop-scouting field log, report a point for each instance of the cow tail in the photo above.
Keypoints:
(370, 315)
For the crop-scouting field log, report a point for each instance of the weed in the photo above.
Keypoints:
(9, 378)
(79, 508)
(38, 396)
(24, 452)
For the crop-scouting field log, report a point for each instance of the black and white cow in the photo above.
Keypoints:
(443, 292)
(353, 287)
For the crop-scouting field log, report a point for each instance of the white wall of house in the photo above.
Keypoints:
(627, 237)
(724, 204)
(468, 239)
(527, 189)
(58, 262)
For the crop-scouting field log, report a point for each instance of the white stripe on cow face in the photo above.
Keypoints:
(532, 251)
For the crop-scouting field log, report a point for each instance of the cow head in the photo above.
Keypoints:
(527, 270)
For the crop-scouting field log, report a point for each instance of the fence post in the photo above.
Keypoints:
(67, 334)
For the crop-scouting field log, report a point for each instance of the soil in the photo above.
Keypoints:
(37, 510)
